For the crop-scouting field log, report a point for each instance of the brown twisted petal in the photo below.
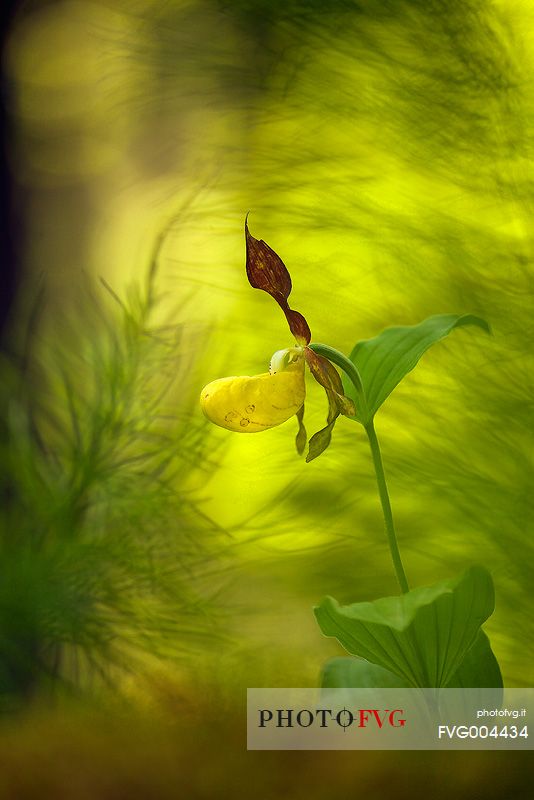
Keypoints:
(301, 437)
(327, 375)
(267, 271)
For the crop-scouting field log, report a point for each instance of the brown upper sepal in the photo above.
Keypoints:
(267, 271)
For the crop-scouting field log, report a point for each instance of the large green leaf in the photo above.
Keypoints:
(384, 360)
(479, 669)
(357, 673)
(422, 636)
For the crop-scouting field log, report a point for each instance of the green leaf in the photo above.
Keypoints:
(357, 673)
(479, 669)
(479, 672)
(384, 360)
(422, 636)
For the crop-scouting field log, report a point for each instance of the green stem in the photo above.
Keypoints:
(386, 507)
(352, 372)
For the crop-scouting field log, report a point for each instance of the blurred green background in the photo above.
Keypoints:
(154, 565)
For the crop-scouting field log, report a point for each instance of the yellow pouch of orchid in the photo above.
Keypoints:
(252, 404)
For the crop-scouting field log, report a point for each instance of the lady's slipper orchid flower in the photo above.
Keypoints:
(251, 404)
